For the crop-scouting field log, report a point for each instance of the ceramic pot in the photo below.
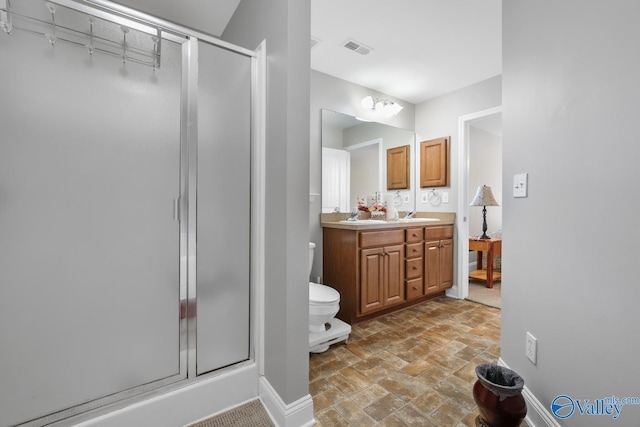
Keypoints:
(498, 394)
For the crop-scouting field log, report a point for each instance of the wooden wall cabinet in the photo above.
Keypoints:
(380, 271)
(398, 168)
(434, 163)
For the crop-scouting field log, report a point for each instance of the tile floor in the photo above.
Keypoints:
(411, 368)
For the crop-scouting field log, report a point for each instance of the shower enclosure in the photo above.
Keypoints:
(125, 208)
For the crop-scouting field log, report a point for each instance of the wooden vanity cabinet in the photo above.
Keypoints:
(438, 259)
(380, 271)
(414, 263)
(381, 277)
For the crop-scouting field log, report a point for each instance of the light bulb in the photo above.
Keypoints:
(368, 102)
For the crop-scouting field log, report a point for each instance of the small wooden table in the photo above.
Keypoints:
(492, 247)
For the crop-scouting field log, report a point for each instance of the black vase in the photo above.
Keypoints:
(498, 394)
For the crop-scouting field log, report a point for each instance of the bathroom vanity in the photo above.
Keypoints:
(381, 267)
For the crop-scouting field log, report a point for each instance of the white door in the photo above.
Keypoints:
(336, 180)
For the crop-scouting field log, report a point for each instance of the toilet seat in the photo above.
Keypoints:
(322, 294)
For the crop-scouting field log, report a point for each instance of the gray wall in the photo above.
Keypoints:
(439, 116)
(571, 100)
(285, 24)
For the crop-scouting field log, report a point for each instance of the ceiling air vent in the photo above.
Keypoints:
(357, 47)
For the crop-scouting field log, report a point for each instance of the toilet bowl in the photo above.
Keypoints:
(324, 304)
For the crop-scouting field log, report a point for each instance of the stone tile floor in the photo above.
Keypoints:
(411, 368)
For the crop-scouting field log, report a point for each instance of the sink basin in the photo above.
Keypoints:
(418, 219)
(365, 221)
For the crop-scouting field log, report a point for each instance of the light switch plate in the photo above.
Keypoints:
(445, 197)
(520, 185)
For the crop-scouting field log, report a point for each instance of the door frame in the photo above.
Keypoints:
(461, 289)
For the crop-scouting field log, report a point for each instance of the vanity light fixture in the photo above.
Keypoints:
(484, 197)
(386, 107)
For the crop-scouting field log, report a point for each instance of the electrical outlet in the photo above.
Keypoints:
(406, 198)
(531, 348)
(445, 197)
(424, 198)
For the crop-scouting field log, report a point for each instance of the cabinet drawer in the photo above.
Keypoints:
(414, 235)
(438, 233)
(381, 238)
(414, 250)
(413, 268)
(414, 288)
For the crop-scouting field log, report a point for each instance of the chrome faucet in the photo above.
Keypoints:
(355, 214)
(410, 214)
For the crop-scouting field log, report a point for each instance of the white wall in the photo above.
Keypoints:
(439, 116)
(571, 100)
(485, 168)
(285, 24)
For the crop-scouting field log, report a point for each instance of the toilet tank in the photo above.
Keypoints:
(312, 246)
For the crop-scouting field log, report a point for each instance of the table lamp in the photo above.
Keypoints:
(484, 197)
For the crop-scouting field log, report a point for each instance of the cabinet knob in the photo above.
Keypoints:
(415, 288)
(415, 268)
(415, 250)
(415, 235)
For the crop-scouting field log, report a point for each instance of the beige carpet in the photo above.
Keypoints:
(250, 414)
(478, 292)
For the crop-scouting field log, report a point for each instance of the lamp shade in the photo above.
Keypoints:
(484, 197)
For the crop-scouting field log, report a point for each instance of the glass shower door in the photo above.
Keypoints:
(223, 211)
(89, 245)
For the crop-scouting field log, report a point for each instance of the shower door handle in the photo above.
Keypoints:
(176, 209)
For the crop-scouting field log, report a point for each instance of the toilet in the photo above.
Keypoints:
(324, 304)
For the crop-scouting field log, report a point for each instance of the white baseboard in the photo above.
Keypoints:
(184, 405)
(296, 414)
(541, 412)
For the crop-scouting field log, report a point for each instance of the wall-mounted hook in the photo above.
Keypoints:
(156, 54)
(92, 21)
(51, 37)
(5, 18)
(125, 30)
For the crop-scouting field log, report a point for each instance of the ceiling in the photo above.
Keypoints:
(212, 17)
(421, 48)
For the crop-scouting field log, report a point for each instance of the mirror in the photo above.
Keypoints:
(354, 163)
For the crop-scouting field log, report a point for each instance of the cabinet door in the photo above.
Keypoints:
(371, 278)
(394, 274)
(398, 168)
(446, 264)
(434, 163)
(431, 267)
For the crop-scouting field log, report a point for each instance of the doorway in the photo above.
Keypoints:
(484, 121)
